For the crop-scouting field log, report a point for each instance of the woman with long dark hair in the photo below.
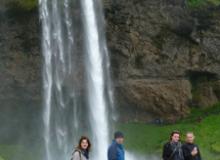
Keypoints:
(82, 150)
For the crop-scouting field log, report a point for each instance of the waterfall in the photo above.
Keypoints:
(65, 116)
(96, 82)
(57, 47)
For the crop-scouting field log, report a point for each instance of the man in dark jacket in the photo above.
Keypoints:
(173, 149)
(191, 150)
(116, 149)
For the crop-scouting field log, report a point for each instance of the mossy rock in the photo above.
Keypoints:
(216, 147)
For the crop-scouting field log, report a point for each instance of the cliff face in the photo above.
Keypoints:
(165, 58)
(20, 72)
(20, 58)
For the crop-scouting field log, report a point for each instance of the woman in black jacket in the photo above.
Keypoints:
(190, 149)
(172, 150)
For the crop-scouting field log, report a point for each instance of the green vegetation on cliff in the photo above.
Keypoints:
(23, 4)
(149, 138)
(28, 4)
(198, 3)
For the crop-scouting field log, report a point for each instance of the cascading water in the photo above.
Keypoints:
(57, 46)
(95, 76)
(63, 118)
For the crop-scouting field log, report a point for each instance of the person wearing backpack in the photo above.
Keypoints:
(82, 150)
(172, 150)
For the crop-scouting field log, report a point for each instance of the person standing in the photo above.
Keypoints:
(190, 149)
(82, 150)
(172, 150)
(116, 149)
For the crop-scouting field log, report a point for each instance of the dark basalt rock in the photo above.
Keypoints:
(160, 41)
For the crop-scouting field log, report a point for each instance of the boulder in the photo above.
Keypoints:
(153, 99)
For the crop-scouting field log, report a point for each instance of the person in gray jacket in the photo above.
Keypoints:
(82, 150)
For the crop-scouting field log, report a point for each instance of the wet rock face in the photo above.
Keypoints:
(156, 42)
(20, 71)
(157, 39)
(20, 56)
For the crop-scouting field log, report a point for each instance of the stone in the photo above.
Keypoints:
(164, 99)
(162, 41)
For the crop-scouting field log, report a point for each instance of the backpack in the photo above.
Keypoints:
(80, 154)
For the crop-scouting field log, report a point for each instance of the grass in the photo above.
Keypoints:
(11, 152)
(149, 138)
(199, 114)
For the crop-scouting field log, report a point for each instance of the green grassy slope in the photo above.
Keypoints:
(147, 138)
(12, 152)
